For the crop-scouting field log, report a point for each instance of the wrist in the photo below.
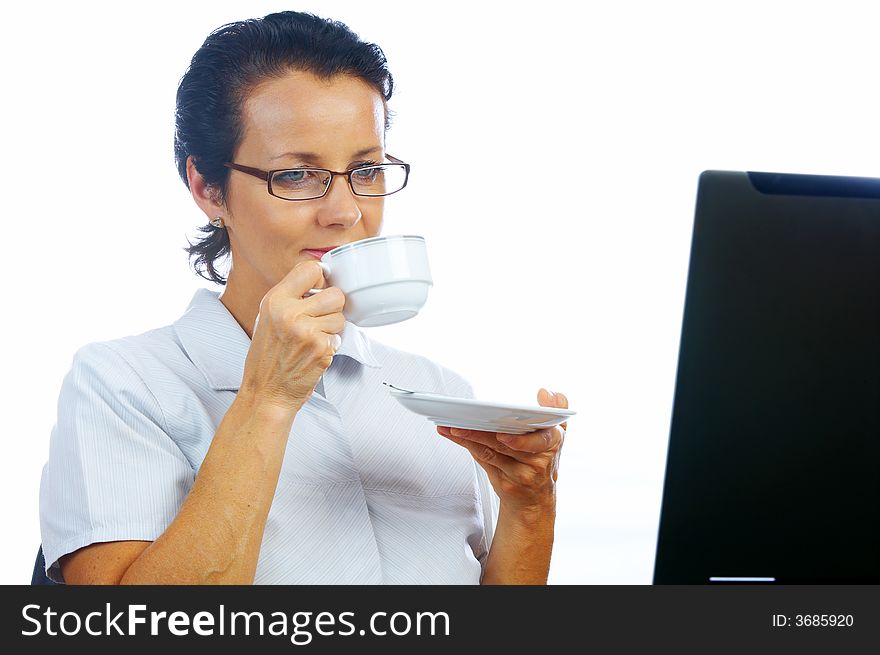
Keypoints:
(541, 512)
(264, 407)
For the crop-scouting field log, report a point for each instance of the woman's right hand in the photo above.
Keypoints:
(294, 339)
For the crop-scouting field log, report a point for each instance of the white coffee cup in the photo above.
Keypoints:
(385, 279)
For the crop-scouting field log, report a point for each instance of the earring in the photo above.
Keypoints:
(217, 221)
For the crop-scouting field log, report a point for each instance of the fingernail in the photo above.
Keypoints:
(458, 432)
(505, 438)
(335, 342)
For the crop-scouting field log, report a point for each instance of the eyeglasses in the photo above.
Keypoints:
(369, 181)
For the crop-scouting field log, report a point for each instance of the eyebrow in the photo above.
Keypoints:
(311, 156)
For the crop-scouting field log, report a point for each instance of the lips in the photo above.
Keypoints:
(317, 253)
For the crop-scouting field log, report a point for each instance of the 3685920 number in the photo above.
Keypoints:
(823, 620)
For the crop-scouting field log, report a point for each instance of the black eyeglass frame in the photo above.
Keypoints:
(266, 176)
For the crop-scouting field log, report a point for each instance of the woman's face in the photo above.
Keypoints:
(299, 120)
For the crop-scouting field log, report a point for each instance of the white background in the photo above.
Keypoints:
(574, 280)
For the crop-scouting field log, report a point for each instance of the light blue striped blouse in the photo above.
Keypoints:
(369, 493)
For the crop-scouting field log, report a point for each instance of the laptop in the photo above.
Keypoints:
(773, 465)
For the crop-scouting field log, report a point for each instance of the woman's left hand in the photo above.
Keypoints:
(521, 467)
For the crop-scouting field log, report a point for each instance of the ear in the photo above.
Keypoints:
(205, 196)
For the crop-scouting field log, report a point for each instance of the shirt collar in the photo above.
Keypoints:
(216, 344)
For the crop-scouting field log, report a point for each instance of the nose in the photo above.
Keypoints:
(339, 205)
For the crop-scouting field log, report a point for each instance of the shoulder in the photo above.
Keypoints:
(140, 354)
(134, 370)
(159, 355)
(422, 372)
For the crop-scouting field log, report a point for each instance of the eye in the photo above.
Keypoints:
(289, 177)
(367, 174)
(299, 180)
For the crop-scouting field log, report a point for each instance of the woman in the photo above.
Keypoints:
(252, 441)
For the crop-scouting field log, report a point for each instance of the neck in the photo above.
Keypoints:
(242, 298)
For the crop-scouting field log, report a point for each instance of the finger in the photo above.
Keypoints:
(476, 436)
(533, 442)
(327, 301)
(479, 436)
(330, 323)
(517, 472)
(301, 278)
(483, 453)
(491, 440)
(547, 398)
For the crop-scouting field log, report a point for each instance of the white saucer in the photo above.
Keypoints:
(471, 414)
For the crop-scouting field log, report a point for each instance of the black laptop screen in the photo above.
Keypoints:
(773, 467)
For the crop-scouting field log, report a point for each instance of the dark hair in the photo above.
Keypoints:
(231, 62)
